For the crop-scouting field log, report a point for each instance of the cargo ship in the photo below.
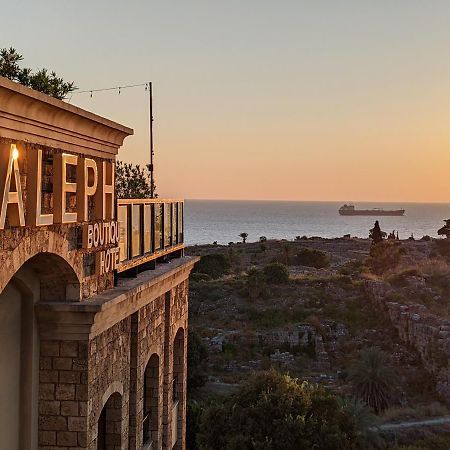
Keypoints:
(349, 210)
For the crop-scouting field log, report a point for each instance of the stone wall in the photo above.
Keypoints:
(63, 394)
(427, 333)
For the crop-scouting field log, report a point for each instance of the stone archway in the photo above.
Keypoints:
(45, 276)
(151, 403)
(178, 389)
(47, 250)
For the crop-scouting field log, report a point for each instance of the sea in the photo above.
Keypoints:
(207, 221)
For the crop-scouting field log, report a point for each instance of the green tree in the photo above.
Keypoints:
(255, 283)
(376, 234)
(373, 379)
(272, 411)
(196, 361)
(214, 265)
(133, 181)
(43, 81)
(311, 257)
(244, 237)
(276, 273)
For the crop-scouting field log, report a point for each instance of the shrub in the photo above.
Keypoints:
(276, 273)
(255, 283)
(353, 267)
(214, 265)
(197, 277)
(313, 258)
(384, 256)
(401, 279)
(274, 411)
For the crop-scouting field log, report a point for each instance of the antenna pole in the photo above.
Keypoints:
(152, 181)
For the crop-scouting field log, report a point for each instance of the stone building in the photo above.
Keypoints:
(93, 290)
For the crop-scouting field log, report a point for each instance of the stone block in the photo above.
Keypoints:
(69, 376)
(69, 348)
(77, 424)
(65, 392)
(62, 363)
(49, 348)
(47, 438)
(67, 438)
(70, 408)
(46, 391)
(52, 423)
(49, 408)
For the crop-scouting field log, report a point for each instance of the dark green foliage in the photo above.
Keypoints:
(255, 283)
(42, 80)
(193, 417)
(313, 258)
(244, 237)
(276, 273)
(262, 239)
(443, 247)
(353, 267)
(384, 256)
(214, 265)
(364, 422)
(376, 234)
(133, 181)
(196, 360)
(275, 412)
(198, 277)
(373, 379)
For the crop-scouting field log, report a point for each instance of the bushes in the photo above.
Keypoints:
(274, 411)
(312, 258)
(384, 256)
(215, 265)
(276, 273)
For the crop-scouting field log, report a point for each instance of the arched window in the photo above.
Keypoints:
(178, 394)
(109, 432)
(150, 419)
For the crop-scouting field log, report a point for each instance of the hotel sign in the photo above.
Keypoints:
(92, 180)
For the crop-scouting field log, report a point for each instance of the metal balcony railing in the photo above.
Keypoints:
(149, 229)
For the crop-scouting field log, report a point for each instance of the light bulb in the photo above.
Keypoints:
(15, 152)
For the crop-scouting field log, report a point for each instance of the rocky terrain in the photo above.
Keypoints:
(314, 324)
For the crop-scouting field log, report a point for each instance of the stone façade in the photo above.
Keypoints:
(102, 359)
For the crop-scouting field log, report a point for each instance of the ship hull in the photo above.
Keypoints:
(371, 212)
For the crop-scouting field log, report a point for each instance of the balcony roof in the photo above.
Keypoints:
(30, 116)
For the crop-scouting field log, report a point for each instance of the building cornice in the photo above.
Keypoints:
(30, 116)
(83, 320)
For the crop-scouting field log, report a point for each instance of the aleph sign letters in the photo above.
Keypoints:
(92, 180)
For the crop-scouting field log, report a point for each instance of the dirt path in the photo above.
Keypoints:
(417, 423)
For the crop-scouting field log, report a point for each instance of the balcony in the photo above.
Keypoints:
(150, 230)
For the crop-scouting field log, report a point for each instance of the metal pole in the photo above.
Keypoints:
(152, 181)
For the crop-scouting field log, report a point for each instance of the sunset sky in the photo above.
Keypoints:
(255, 99)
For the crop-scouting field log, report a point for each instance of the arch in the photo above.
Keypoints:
(114, 387)
(19, 360)
(151, 402)
(43, 242)
(178, 388)
(109, 424)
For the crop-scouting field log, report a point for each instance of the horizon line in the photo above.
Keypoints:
(318, 201)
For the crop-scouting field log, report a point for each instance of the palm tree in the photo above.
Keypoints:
(244, 237)
(373, 379)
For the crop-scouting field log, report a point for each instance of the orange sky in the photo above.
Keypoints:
(293, 100)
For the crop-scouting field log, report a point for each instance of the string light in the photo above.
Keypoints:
(116, 88)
